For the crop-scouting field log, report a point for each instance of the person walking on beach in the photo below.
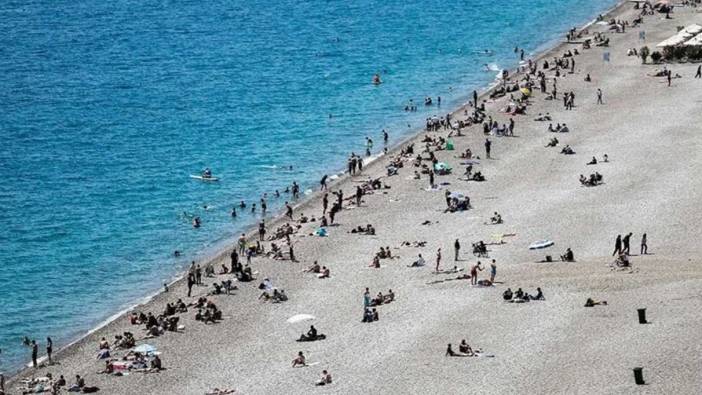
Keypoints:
(644, 245)
(191, 282)
(617, 246)
(431, 178)
(475, 99)
(456, 249)
(699, 72)
(323, 183)
(599, 96)
(438, 259)
(493, 271)
(386, 137)
(35, 353)
(234, 261)
(359, 195)
(288, 211)
(366, 298)
(488, 146)
(325, 203)
(49, 349)
(669, 75)
(625, 242)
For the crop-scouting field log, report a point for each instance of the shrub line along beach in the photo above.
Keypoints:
(514, 186)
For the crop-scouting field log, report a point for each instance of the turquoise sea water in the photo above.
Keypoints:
(106, 108)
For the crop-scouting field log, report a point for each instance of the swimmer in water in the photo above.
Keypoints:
(376, 79)
(233, 212)
(242, 205)
(277, 194)
(196, 222)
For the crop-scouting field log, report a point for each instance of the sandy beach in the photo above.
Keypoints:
(647, 129)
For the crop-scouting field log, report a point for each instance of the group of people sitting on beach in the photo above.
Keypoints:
(558, 129)
(593, 161)
(521, 297)
(594, 180)
(321, 272)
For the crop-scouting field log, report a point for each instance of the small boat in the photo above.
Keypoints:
(201, 178)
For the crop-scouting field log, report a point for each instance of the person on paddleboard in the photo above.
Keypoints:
(207, 173)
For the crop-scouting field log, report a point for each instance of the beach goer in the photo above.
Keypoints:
(191, 282)
(299, 360)
(438, 259)
(698, 74)
(35, 353)
(366, 298)
(474, 273)
(326, 378)
(626, 241)
(644, 245)
(617, 245)
(451, 353)
(49, 349)
(488, 147)
(242, 244)
(456, 249)
(261, 230)
(288, 210)
(599, 96)
(323, 183)
(493, 271)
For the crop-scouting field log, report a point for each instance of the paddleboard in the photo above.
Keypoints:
(201, 178)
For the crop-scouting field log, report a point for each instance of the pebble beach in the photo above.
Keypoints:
(648, 130)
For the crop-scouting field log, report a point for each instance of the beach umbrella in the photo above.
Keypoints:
(541, 244)
(300, 318)
(144, 349)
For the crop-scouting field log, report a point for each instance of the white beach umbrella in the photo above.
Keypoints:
(300, 318)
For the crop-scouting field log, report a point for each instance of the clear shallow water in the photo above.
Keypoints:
(107, 107)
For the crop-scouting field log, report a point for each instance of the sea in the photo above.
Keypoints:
(107, 109)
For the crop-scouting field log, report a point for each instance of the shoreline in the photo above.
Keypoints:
(220, 251)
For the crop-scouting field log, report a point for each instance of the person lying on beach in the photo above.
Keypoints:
(552, 143)
(300, 360)
(217, 391)
(367, 230)
(567, 150)
(326, 378)
(591, 303)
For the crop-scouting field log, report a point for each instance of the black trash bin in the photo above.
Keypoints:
(642, 316)
(638, 376)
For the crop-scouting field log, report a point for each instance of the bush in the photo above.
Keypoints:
(643, 53)
(656, 57)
